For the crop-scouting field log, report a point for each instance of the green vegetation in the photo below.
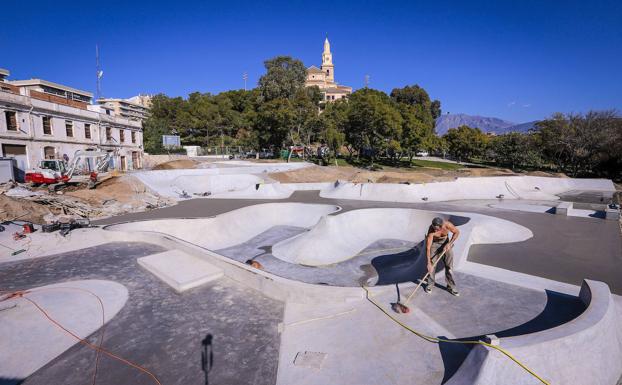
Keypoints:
(576, 144)
(282, 112)
(403, 163)
(372, 128)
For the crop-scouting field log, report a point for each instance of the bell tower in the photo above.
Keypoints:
(327, 63)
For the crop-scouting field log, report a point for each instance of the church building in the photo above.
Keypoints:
(324, 77)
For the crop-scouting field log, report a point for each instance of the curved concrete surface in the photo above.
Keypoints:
(257, 191)
(340, 237)
(30, 340)
(584, 351)
(236, 226)
(172, 182)
(517, 187)
(213, 179)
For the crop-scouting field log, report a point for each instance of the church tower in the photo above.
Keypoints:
(327, 63)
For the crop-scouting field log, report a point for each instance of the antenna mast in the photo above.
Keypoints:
(98, 73)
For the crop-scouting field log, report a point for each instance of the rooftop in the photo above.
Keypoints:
(41, 82)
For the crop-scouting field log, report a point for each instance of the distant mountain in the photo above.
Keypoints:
(484, 123)
(523, 127)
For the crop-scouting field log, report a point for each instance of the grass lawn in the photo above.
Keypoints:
(416, 163)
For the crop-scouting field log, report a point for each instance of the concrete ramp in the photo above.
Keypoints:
(338, 238)
(236, 226)
(514, 187)
(584, 351)
(258, 190)
(179, 270)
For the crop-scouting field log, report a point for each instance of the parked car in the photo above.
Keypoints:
(422, 153)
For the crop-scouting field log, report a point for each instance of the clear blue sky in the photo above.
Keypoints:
(517, 60)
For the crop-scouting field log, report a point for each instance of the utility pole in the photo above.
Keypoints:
(245, 77)
(98, 73)
(367, 81)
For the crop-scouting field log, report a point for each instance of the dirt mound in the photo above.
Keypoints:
(125, 192)
(316, 174)
(177, 164)
(21, 209)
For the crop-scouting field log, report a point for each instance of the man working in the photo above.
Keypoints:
(437, 238)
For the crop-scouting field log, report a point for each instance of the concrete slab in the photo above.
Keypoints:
(179, 270)
(563, 208)
(159, 329)
(30, 340)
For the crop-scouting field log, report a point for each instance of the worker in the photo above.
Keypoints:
(438, 240)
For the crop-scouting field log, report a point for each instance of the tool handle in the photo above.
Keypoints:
(425, 276)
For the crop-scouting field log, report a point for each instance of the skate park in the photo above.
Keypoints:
(537, 264)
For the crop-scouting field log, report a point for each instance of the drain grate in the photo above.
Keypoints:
(311, 360)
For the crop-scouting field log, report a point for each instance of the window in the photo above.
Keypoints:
(108, 134)
(49, 152)
(11, 120)
(87, 131)
(69, 128)
(133, 136)
(121, 135)
(47, 125)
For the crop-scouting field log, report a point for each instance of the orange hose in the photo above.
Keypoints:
(98, 349)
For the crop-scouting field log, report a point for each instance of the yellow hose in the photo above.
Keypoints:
(436, 340)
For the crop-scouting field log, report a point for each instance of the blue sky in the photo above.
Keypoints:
(519, 61)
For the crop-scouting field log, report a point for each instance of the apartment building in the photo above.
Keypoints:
(135, 108)
(45, 120)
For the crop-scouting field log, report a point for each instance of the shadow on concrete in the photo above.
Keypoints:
(401, 267)
(10, 381)
(559, 309)
(207, 356)
(410, 265)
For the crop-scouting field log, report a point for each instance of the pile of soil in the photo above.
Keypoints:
(315, 174)
(177, 164)
(124, 191)
(21, 209)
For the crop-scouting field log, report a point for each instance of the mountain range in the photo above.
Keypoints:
(486, 124)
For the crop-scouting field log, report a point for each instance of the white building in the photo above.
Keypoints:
(44, 120)
(135, 108)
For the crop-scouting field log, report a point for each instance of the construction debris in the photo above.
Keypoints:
(114, 196)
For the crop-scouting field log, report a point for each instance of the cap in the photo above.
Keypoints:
(438, 221)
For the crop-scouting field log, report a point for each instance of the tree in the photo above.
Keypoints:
(417, 97)
(275, 120)
(416, 135)
(465, 143)
(582, 144)
(373, 121)
(516, 150)
(283, 78)
(334, 140)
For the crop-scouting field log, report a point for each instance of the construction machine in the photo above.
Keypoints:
(56, 172)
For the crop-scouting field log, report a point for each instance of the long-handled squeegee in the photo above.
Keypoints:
(401, 308)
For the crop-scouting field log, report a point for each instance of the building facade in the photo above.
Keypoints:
(135, 108)
(324, 77)
(44, 120)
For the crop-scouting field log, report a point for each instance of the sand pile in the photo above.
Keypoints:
(177, 164)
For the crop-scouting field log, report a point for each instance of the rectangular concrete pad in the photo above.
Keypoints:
(179, 270)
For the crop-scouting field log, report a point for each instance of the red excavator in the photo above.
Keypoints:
(55, 172)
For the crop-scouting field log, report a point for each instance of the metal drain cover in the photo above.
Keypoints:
(312, 360)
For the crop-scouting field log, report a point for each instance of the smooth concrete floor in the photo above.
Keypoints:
(347, 273)
(566, 249)
(157, 328)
